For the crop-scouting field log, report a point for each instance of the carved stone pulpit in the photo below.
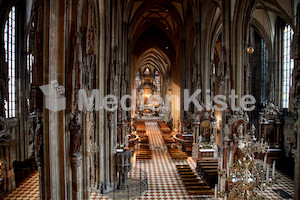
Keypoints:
(123, 167)
(270, 126)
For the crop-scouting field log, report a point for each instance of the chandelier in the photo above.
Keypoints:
(247, 178)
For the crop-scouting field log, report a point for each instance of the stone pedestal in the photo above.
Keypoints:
(123, 167)
(76, 162)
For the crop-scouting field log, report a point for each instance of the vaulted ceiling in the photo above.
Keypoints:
(167, 15)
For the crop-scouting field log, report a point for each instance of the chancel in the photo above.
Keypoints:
(149, 99)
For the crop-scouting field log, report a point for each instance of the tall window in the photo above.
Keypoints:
(288, 65)
(157, 82)
(30, 60)
(264, 66)
(10, 58)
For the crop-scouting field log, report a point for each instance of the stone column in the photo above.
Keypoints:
(215, 146)
(76, 162)
(195, 151)
(54, 129)
(296, 154)
(297, 104)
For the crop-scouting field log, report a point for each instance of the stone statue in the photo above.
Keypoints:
(252, 130)
(200, 140)
(212, 138)
(38, 144)
(197, 117)
(227, 132)
(240, 130)
(75, 134)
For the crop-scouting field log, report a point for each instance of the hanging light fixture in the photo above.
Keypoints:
(250, 49)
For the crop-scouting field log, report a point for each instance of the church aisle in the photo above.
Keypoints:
(163, 180)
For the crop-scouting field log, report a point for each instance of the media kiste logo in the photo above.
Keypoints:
(54, 99)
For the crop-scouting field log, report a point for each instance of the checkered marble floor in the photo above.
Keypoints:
(28, 190)
(163, 181)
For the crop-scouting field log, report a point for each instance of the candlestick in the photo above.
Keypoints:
(273, 170)
(216, 191)
(265, 161)
(221, 163)
(221, 184)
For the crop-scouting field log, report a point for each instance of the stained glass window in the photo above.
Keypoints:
(288, 65)
(10, 58)
(264, 66)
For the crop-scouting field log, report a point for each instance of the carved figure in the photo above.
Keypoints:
(240, 130)
(76, 134)
(227, 132)
(38, 145)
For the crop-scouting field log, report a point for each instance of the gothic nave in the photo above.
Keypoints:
(149, 99)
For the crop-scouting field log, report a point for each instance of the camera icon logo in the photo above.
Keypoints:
(54, 100)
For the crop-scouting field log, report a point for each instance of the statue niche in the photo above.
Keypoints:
(238, 123)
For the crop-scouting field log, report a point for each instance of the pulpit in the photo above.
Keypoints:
(270, 126)
(270, 131)
(123, 167)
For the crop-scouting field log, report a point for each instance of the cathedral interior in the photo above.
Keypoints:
(149, 99)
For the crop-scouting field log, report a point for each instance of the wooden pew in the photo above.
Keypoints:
(208, 168)
(192, 182)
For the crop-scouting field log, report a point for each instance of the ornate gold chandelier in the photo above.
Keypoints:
(247, 178)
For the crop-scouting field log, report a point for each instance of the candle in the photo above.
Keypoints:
(265, 161)
(273, 170)
(267, 176)
(216, 191)
(221, 184)
(221, 163)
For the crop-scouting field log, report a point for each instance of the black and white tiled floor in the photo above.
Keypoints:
(164, 182)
